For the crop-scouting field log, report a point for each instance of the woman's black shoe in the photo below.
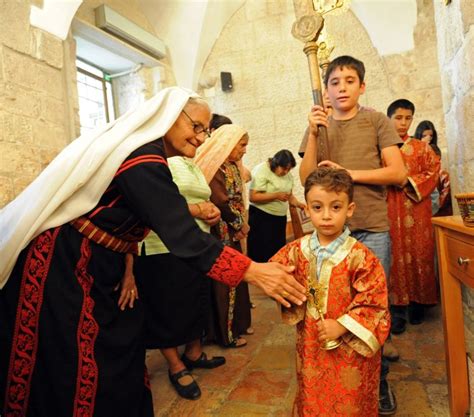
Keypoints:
(190, 391)
(399, 325)
(416, 313)
(203, 361)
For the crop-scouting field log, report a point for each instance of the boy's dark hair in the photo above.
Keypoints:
(283, 158)
(218, 120)
(330, 179)
(401, 103)
(348, 62)
(427, 125)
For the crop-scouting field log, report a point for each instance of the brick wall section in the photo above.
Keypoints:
(272, 93)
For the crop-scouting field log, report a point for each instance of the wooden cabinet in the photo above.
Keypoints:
(455, 246)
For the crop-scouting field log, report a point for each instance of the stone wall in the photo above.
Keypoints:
(455, 33)
(38, 93)
(272, 93)
(35, 112)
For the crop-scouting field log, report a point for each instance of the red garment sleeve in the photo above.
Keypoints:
(367, 317)
(421, 183)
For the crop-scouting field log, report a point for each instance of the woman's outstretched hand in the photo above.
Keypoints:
(277, 282)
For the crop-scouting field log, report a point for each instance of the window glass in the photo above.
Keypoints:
(95, 97)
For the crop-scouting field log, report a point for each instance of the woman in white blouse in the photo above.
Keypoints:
(270, 195)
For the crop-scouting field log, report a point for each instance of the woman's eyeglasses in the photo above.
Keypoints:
(198, 127)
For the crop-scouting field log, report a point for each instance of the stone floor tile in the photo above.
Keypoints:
(432, 351)
(431, 371)
(270, 357)
(412, 399)
(235, 408)
(400, 370)
(262, 387)
(406, 347)
(437, 394)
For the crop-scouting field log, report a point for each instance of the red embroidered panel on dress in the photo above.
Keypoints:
(25, 339)
(87, 330)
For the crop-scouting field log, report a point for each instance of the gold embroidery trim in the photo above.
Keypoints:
(360, 331)
(412, 190)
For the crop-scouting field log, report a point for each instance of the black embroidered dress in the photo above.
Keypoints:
(66, 349)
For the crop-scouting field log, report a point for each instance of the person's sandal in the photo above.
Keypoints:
(237, 343)
(250, 331)
(190, 391)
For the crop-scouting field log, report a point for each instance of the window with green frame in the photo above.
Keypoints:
(96, 104)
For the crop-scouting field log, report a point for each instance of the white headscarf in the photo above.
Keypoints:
(74, 181)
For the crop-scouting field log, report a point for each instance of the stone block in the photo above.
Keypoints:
(49, 134)
(7, 190)
(19, 100)
(47, 48)
(1, 63)
(18, 129)
(15, 24)
(17, 160)
(53, 110)
(28, 72)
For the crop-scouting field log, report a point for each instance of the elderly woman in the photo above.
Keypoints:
(66, 348)
(270, 193)
(220, 159)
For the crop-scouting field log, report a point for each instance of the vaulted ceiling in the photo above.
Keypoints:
(190, 28)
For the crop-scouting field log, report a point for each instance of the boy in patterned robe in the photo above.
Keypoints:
(412, 276)
(347, 301)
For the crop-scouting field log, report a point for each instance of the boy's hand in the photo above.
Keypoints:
(329, 329)
(317, 117)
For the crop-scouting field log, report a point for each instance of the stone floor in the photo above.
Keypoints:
(259, 379)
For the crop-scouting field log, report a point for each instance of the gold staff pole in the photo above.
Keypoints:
(307, 28)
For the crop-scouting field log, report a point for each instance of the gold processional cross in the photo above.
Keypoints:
(307, 28)
(316, 289)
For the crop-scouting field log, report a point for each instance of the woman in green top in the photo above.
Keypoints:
(177, 302)
(270, 193)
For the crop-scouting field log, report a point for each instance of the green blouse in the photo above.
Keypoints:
(193, 187)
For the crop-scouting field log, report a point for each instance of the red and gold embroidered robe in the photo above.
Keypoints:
(412, 276)
(343, 381)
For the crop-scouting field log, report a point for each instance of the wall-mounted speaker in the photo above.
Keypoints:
(226, 81)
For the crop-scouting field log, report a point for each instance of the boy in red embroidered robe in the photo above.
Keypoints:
(346, 283)
(412, 276)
